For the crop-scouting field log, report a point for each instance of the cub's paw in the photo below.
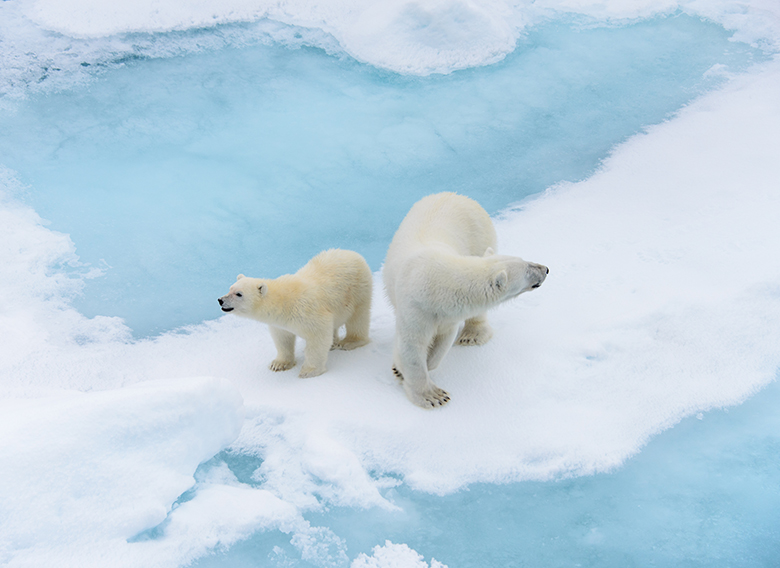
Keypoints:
(397, 373)
(349, 345)
(474, 335)
(279, 365)
(308, 371)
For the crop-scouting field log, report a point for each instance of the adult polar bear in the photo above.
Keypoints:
(440, 271)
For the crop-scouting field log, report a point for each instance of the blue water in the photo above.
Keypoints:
(196, 168)
(703, 494)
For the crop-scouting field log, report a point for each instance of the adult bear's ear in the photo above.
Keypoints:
(489, 252)
(239, 277)
(500, 280)
(262, 289)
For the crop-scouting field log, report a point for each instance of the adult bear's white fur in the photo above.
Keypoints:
(331, 290)
(440, 271)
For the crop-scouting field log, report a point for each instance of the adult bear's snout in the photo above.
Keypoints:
(542, 272)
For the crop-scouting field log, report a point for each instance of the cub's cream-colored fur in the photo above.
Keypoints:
(332, 290)
(441, 271)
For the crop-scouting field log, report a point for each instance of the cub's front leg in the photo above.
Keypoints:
(285, 349)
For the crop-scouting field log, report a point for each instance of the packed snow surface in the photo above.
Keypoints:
(410, 36)
(663, 300)
(59, 40)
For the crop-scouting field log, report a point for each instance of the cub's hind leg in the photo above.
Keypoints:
(357, 328)
(318, 343)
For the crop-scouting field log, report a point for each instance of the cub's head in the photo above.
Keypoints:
(512, 275)
(244, 296)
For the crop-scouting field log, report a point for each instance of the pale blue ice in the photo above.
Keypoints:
(252, 159)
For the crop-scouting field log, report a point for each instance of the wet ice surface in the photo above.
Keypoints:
(662, 302)
(704, 493)
(211, 165)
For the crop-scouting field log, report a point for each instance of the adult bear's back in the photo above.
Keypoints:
(443, 220)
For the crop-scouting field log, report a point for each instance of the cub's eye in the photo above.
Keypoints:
(239, 294)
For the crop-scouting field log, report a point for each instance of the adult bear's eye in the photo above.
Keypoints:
(238, 294)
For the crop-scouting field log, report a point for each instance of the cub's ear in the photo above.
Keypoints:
(262, 289)
(500, 280)
(489, 252)
(240, 276)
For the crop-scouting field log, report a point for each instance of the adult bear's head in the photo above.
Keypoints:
(511, 275)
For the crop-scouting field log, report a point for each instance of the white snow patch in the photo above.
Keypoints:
(86, 471)
(394, 556)
(417, 37)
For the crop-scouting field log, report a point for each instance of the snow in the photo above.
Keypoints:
(394, 556)
(96, 468)
(417, 37)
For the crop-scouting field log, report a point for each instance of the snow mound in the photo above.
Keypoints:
(86, 468)
(417, 37)
(394, 556)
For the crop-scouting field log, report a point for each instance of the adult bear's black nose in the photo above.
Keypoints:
(220, 301)
(547, 270)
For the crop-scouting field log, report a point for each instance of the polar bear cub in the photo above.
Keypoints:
(441, 271)
(333, 289)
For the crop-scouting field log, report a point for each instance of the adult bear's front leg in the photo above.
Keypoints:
(411, 361)
(476, 331)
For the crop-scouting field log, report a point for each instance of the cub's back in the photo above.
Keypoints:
(338, 276)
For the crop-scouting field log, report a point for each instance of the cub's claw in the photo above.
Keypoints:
(278, 365)
(345, 345)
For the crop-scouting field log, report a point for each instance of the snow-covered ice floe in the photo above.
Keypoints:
(663, 301)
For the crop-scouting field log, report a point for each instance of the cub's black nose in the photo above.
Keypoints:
(547, 270)
(220, 301)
